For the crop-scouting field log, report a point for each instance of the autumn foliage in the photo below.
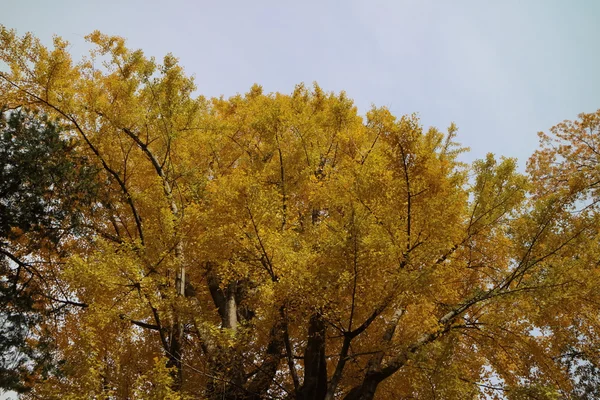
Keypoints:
(283, 246)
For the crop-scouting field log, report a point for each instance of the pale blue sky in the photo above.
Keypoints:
(502, 70)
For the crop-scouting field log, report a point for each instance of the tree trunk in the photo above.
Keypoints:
(315, 366)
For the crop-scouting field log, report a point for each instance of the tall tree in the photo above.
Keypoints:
(282, 246)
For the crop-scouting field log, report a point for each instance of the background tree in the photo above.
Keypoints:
(281, 246)
(42, 187)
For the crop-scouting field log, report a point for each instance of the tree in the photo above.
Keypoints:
(282, 246)
(42, 186)
(567, 163)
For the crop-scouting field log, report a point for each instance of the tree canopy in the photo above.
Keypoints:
(283, 246)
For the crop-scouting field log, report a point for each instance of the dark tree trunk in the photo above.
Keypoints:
(315, 366)
(174, 356)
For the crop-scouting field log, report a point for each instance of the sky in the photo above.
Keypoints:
(501, 70)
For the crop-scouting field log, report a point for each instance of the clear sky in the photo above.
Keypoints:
(502, 70)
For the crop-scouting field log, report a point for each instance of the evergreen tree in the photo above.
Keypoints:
(41, 189)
